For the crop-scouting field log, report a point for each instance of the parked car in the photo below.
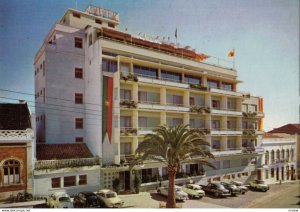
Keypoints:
(240, 185)
(109, 198)
(217, 189)
(259, 185)
(179, 194)
(193, 191)
(87, 199)
(233, 189)
(59, 200)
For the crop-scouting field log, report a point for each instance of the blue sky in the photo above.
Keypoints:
(264, 33)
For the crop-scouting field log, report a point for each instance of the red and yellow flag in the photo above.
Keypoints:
(231, 53)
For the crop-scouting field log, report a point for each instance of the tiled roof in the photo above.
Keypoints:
(14, 116)
(270, 135)
(62, 151)
(288, 129)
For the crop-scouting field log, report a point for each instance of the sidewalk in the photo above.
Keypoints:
(21, 204)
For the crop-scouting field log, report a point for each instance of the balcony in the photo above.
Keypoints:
(125, 159)
(66, 163)
(219, 132)
(176, 107)
(201, 131)
(200, 109)
(159, 81)
(221, 111)
(128, 131)
(228, 151)
(145, 130)
(257, 150)
(125, 103)
(226, 92)
(150, 105)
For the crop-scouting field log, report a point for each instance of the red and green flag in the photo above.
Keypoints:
(107, 105)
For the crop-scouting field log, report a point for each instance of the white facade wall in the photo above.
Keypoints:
(43, 183)
(285, 163)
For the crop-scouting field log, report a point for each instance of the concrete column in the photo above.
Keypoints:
(239, 123)
(239, 104)
(134, 92)
(208, 122)
(131, 67)
(239, 142)
(135, 118)
(186, 98)
(163, 118)
(61, 182)
(135, 144)
(223, 143)
(182, 76)
(159, 72)
(224, 102)
(163, 96)
(29, 164)
(186, 118)
(208, 100)
(204, 80)
(224, 123)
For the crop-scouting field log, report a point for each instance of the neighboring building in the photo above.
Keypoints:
(291, 130)
(16, 141)
(108, 88)
(279, 160)
(68, 167)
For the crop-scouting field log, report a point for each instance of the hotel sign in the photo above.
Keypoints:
(98, 11)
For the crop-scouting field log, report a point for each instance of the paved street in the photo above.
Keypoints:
(279, 196)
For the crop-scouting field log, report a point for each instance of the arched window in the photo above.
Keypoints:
(288, 154)
(267, 158)
(292, 154)
(278, 154)
(11, 172)
(272, 156)
(282, 154)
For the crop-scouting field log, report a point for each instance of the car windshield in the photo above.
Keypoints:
(111, 195)
(220, 186)
(64, 199)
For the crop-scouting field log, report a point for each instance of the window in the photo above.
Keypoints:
(69, 181)
(76, 15)
(125, 121)
(111, 25)
(55, 182)
(216, 164)
(125, 148)
(226, 164)
(98, 21)
(231, 144)
(43, 68)
(124, 68)
(227, 86)
(267, 158)
(192, 80)
(192, 100)
(212, 83)
(174, 100)
(79, 73)
(125, 94)
(148, 97)
(78, 42)
(11, 172)
(79, 123)
(82, 179)
(215, 124)
(78, 98)
(231, 104)
(167, 75)
(192, 123)
(79, 139)
(216, 145)
(90, 39)
(292, 154)
(44, 96)
(272, 156)
(109, 65)
(145, 71)
(216, 104)
(245, 174)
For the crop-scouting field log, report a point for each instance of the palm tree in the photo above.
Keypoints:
(173, 146)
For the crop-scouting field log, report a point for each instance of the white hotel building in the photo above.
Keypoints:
(93, 81)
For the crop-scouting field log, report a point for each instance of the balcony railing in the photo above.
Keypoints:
(227, 151)
(128, 131)
(200, 109)
(226, 131)
(226, 111)
(66, 163)
(16, 134)
(226, 92)
(128, 103)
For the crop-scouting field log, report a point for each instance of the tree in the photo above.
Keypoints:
(137, 183)
(173, 146)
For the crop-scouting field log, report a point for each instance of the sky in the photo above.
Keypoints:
(264, 34)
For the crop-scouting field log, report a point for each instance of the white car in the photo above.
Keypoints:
(110, 198)
(240, 185)
(193, 190)
(179, 193)
(60, 200)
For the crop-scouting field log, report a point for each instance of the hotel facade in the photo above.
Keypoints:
(106, 88)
